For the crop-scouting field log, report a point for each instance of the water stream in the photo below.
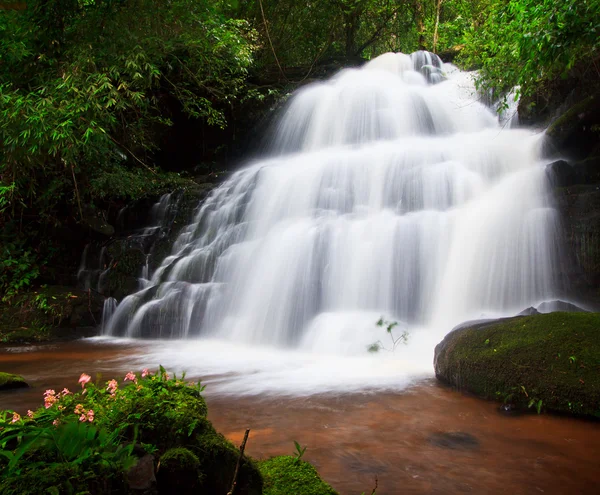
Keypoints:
(351, 438)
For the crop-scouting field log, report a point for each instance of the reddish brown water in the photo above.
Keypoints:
(354, 438)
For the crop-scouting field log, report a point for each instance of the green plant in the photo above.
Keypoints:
(389, 328)
(299, 451)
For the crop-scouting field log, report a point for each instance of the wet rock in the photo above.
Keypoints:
(141, 479)
(539, 362)
(10, 382)
(529, 311)
(560, 173)
(455, 440)
(558, 305)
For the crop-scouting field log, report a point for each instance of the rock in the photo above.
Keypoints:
(529, 311)
(560, 173)
(179, 472)
(558, 305)
(550, 361)
(572, 133)
(286, 475)
(95, 220)
(140, 477)
(10, 382)
(455, 440)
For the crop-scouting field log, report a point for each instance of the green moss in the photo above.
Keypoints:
(179, 472)
(570, 118)
(285, 475)
(8, 381)
(59, 478)
(552, 358)
(218, 458)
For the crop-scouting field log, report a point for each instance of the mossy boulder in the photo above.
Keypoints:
(218, 458)
(547, 361)
(9, 381)
(179, 472)
(284, 475)
(59, 478)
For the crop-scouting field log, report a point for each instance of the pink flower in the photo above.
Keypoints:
(30, 413)
(79, 409)
(49, 401)
(16, 417)
(130, 376)
(83, 417)
(83, 379)
(66, 391)
(145, 372)
(56, 422)
(49, 393)
(112, 387)
(90, 415)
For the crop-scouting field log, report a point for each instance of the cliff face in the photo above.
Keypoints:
(570, 112)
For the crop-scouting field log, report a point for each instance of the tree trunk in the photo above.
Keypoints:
(420, 23)
(437, 23)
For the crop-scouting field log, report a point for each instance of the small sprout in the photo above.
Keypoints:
(299, 451)
(487, 342)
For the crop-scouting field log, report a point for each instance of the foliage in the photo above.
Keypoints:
(86, 87)
(304, 33)
(527, 42)
(96, 429)
(389, 328)
(18, 268)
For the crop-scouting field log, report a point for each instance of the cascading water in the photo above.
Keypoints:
(391, 191)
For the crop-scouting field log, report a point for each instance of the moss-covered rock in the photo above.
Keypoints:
(547, 361)
(59, 478)
(218, 458)
(9, 381)
(285, 475)
(179, 471)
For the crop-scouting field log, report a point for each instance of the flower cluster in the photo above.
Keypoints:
(131, 377)
(112, 387)
(51, 398)
(83, 414)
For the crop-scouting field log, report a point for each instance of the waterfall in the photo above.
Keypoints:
(390, 191)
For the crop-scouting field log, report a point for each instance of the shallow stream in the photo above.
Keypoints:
(422, 439)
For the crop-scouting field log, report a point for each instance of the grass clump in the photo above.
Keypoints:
(547, 362)
(284, 475)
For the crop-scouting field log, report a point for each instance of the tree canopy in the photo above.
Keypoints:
(89, 88)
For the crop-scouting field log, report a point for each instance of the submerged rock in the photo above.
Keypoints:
(543, 362)
(9, 381)
(455, 440)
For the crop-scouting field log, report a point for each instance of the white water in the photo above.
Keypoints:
(384, 196)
